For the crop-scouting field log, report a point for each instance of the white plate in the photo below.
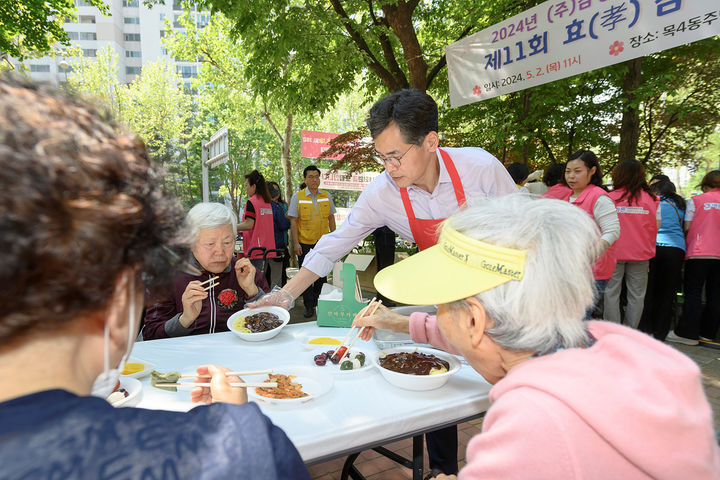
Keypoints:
(315, 382)
(327, 346)
(335, 369)
(283, 314)
(142, 373)
(134, 389)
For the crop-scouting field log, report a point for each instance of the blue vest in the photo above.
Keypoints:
(671, 233)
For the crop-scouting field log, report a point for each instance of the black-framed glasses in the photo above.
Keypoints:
(392, 161)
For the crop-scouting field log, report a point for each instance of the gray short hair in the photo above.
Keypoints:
(208, 215)
(544, 311)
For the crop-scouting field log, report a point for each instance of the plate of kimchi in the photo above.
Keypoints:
(295, 384)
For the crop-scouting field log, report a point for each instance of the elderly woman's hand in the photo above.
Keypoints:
(245, 273)
(192, 299)
(384, 319)
(219, 389)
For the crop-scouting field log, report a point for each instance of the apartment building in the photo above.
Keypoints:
(132, 29)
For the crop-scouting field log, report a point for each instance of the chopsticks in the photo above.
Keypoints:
(359, 315)
(235, 384)
(210, 280)
(255, 372)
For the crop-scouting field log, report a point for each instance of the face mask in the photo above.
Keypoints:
(105, 383)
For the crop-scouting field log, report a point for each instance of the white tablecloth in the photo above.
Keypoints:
(361, 410)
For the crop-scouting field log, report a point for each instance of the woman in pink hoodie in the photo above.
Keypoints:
(512, 278)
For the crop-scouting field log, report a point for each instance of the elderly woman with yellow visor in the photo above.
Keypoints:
(512, 279)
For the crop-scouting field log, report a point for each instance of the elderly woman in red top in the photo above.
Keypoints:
(637, 209)
(702, 265)
(199, 306)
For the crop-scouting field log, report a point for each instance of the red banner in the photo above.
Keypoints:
(314, 143)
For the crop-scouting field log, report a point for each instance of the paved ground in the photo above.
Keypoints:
(376, 467)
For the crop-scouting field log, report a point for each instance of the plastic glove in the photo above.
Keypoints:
(277, 297)
(535, 176)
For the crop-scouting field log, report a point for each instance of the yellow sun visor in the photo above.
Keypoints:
(457, 267)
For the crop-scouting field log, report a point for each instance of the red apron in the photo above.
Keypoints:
(425, 232)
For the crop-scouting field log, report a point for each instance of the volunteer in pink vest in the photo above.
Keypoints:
(257, 226)
(637, 209)
(583, 177)
(702, 265)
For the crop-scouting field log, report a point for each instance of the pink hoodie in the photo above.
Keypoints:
(628, 407)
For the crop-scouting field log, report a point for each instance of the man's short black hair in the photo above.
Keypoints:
(415, 113)
(518, 171)
(310, 168)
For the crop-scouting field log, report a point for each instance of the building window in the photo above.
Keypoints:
(132, 37)
(162, 33)
(132, 20)
(88, 36)
(40, 68)
(187, 71)
(83, 3)
(131, 3)
(89, 52)
(73, 35)
(132, 70)
(86, 19)
(203, 20)
(133, 54)
(178, 5)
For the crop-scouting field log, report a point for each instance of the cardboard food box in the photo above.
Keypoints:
(340, 313)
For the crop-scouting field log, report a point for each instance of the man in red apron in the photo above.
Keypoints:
(422, 185)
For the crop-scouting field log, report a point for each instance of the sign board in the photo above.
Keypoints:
(315, 143)
(345, 180)
(217, 148)
(562, 38)
(340, 313)
(214, 152)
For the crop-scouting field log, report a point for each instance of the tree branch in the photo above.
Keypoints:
(387, 49)
(372, 62)
(443, 60)
(266, 115)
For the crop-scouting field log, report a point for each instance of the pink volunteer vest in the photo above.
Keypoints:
(703, 239)
(604, 266)
(638, 226)
(558, 191)
(262, 233)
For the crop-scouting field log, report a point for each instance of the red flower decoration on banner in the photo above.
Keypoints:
(477, 90)
(616, 48)
(228, 298)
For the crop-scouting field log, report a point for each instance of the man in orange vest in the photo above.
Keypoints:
(312, 215)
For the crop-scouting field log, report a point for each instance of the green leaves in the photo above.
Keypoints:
(30, 28)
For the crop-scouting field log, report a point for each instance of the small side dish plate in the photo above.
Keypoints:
(134, 389)
(133, 364)
(322, 342)
(314, 382)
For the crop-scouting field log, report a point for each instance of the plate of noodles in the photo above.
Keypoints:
(296, 384)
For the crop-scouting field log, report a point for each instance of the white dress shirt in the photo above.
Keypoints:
(481, 174)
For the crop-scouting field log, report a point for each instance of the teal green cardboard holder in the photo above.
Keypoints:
(340, 313)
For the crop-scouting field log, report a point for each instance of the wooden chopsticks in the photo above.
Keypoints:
(255, 372)
(235, 384)
(210, 280)
(359, 315)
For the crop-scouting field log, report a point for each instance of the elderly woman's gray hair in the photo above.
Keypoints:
(209, 215)
(544, 311)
